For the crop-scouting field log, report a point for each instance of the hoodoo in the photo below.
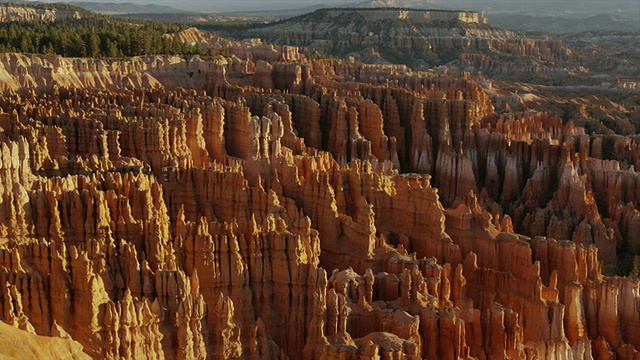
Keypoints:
(257, 202)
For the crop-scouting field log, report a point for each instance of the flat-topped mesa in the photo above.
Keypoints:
(415, 15)
(462, 41)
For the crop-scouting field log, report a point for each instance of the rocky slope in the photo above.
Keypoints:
(262, 205)
(18, 344)
(565, 25)
(418, 38)
(455, 41)
(576, 8)
(10, 12)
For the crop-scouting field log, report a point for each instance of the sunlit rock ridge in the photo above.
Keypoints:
(262, 205)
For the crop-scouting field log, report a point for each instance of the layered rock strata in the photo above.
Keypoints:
(11, 12)
(243, 208)
(418, 38)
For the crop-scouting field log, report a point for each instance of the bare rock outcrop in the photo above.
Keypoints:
(267, 208)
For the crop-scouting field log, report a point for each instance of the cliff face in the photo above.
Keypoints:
(418, 38)
(310, 209)
(9, 12)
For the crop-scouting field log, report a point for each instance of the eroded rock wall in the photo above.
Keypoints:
(312, 209)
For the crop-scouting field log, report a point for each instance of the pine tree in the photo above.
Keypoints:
(635, 270)
(92, 43)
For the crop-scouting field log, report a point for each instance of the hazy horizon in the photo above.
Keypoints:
(628, 8)
(226, 5)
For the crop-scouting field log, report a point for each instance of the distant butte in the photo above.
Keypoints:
(461, 40)
(415, 15)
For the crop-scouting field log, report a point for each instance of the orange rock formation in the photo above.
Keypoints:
(253, 207)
